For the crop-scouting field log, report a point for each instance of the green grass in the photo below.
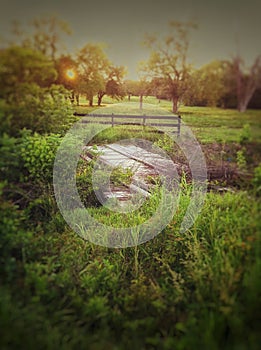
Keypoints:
(195, 290)
(217, 125)
(209, 124)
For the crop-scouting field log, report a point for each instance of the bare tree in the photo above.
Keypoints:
(45, 35)
(247, 80)
(168, 60)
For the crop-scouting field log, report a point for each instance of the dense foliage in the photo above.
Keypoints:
(28, 98)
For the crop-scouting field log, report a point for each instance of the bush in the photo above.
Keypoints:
(38, 154)
(245, 135)
(10, 162)
(241, 159)
(42, 110)
(257, 179)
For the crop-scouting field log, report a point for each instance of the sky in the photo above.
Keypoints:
(225, 27)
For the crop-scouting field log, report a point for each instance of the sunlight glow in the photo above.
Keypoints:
(70, 73)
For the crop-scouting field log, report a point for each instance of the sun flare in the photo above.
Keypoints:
(70, 73)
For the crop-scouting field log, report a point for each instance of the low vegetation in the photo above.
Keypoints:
(178, 291)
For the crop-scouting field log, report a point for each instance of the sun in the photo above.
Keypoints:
(70, 73)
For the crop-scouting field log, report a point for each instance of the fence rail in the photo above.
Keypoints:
(143, 120)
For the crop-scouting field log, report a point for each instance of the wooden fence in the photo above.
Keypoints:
(169, 121)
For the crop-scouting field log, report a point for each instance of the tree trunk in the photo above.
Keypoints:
(90, 101)
(100, 96)
(141, 101)
(72, 97)
(246, 84)
(245, 99)
(129, 97)
(174, 104)
(99, 100)
(242, 105)
(77, 96)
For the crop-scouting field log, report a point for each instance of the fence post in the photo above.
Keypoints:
(112, 120)
(144, 120)
(179, 123)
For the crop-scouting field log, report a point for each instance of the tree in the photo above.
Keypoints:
(247, 80)
(207, 85)
(29, 97)
(168, 60)
(46, 35)
(255, 101)
(158, 88)
(93, 68)
(68, 76)
(22, 66)
(130, 87)
(139, 88)
(43, 110)
(143, 89)
(113, 84)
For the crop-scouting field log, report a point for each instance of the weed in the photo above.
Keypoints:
(245, 135)
(257, 179)
(241, 159)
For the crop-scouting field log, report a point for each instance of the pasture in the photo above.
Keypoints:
(209, 124)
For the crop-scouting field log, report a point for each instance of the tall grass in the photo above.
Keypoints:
(197, 290)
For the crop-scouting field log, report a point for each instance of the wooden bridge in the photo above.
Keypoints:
(145, 164)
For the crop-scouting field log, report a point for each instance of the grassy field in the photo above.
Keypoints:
(194, 290)
(209, 124)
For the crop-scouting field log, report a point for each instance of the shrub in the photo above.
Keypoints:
(245, 135)
(38, 154)
(10, 162)
(42, 110)
(257, 179)
(241, 159)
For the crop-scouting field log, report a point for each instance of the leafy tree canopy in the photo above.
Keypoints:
(169, 60)
(20, 65)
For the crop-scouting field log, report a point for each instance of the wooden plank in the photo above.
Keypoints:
(147, 124)
(130, 123)
(144, 120)
(139, 183)
(109, 158)
(179, 124)
(94, 121)
(162, 124)
(112, 120)
(143, 162)
(170, 117)
(139, 190)
(154, 163)
(147, 117)
(119, 149)
(117, 116)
